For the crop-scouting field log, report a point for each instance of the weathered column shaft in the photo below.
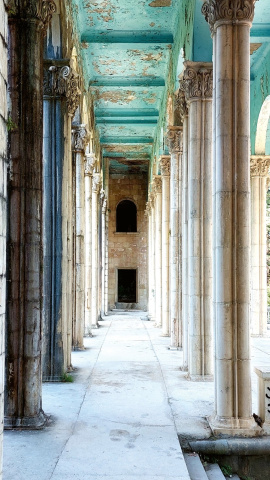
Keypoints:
(24, 296)
(3, 212)
(80, 140)
(95, 263)
(88, 171)
(103, 260)
(158, 249)
(231, 36)
(152, 264)
(185, 273)
(175, 260)
(259, 170)
(197, 84)
(165, 233)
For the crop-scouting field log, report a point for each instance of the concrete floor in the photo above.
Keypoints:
(120, 418)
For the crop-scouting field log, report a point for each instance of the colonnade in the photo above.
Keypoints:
(209, 223)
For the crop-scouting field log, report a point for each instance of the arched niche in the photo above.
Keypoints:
(262, 128)
(126, 216)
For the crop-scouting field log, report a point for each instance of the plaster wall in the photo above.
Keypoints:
(128, 250)
(3, 197)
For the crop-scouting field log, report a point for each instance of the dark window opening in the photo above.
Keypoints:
(127, 286)
(126, 217)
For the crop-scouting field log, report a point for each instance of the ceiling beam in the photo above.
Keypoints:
(126, 36)
(126, 121)
(114, 81)
(126, 112)
(126, 140)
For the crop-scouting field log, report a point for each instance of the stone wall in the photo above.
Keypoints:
(3, 195)
(128, 250)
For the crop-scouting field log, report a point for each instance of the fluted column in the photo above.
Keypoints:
(230, 24)
(175, 258)
(80, 140)
(27, 24)
(88, 172)
(259, 173)
(157, 188)
(197, 84)
(95, 267)
(165, 161)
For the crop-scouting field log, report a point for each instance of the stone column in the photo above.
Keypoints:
(103, 252)
(95, 264)
(88, 172)
(175, 261)
(3, 211)
(80, 140)
(157, 186)
(165, 161)
(230, 26)
(259, 173)
(197, 84)
(148, 215)
(152, 276)
(27, 24)
(60, 102)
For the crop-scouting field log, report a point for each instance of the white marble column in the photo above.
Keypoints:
(88, 171)
(165, 161)
(175, 261)
(152, 265)
(95, 264)
(80, 139)
(157, 186)
(103, 259)
(259, 173)
(231, 42)
(197, 84)
(148, 214)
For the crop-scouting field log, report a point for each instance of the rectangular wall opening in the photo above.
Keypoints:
(127, 287)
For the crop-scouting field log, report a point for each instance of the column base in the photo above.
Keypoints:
(174, 349)
(234, 427)
(95, 325)
(164, 335)
(26, 423)
(200, 378)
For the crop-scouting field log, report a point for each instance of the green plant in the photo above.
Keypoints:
(67, 378)
(226, 470)
(11, 125)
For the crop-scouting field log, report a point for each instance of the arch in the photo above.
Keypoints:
(262, 125)
(126, 216)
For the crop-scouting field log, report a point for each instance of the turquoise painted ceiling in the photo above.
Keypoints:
(129, 51)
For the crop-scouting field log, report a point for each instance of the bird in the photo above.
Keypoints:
(258, 420)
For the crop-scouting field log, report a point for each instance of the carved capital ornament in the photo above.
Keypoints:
(157, 184)
(181, 104)
(80, 138)
(197, 81)
(218, 12)
(259, 165)
(165, 165)
(40, 10)
(174, 139)
(96, 182)
(89, 164)
(63, 82)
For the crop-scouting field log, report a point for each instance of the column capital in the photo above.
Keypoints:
(165, 165)
(96, 182)
(89, 164)
(151, 199)
(259, 165)
(80, 137)
(147, 211)
(180, 102)
(40, 10)
(157, 184)
(174, 139)
(197, 81)
(231, 12)
(63, 81)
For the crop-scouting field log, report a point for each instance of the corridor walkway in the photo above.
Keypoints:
(115, 421)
